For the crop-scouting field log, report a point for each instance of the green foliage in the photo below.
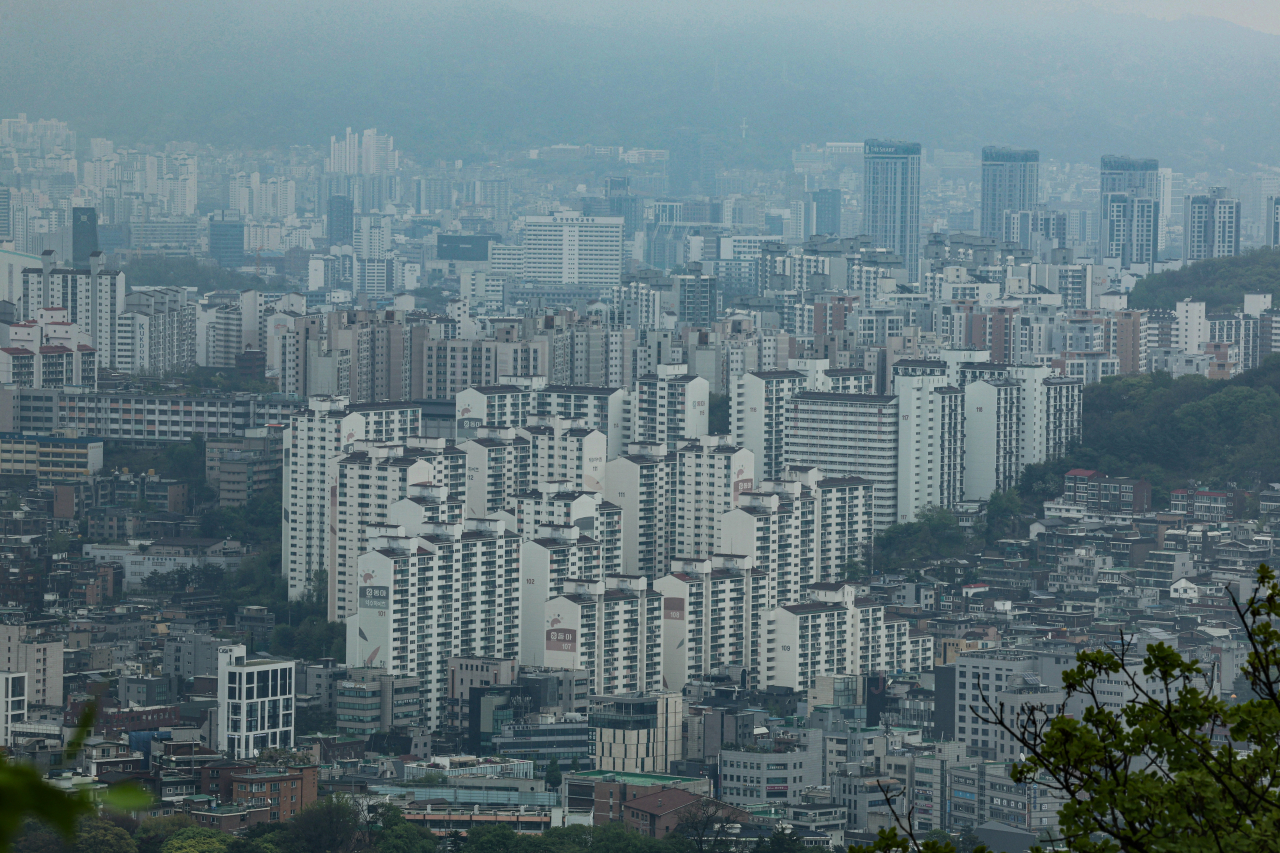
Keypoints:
(1220, 283)
(92, 834)
(398, 835)
(180, 460)
(718, 414)
(24, 793)
(153, 833)
(257, 522)
(314, 638)
(196, 840)
(854, 570)
(1004, 517)
(1174, 433)
(155, 271)
(1178, 769)
(935, 535)
(935, 841)
(781, 841)
(331, 825)
(222, 379)
(309, 721)
(553, 774)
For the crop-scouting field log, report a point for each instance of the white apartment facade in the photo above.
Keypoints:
(316, 437)
(433, 592)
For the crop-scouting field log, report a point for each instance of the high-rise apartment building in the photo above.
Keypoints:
(758, 413)
(93, 296)
(84, 235)
(891, 199)
(1010, 182)
(641, 481)
(710, 473)
(612, 628)
(930, 444)
(835, 633)
(434, 591)
(341, 226)
(316, 438)
(669, 405)
(1130, 220)
(382, 483)
(713, 613)
(1211, 226)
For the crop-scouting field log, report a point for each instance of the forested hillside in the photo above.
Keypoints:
(1220, 283)
(1176, 433)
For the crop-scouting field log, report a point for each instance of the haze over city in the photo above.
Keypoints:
(677, 427)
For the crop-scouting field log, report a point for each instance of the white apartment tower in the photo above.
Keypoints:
(669, 405)
(759, 416)
(641, 482)
(432, 592)
(710, 474)
(848, 435)
(372, 479)
(611, 628)
(713, 613)
(317, 436)
(930, 444)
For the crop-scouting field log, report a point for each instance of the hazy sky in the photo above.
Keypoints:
(1263, 15)
(465, 78)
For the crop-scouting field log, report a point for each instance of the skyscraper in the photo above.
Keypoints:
(1130, 191)
(84, 235)
(6, 212)
(1010, 181)
(341, 220)
(891, 199)
(826, 211)
(1211, 226)
(226, 239)
(1272, 222)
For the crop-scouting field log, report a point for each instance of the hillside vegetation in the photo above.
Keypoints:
(1175, 433)
(1220, 283)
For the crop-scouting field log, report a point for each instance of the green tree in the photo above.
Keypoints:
(24, 794)
(854, 569)
(935, 534)
(1220, 283)
(398, 835)
(153, 833)
(781, 841)
(495, 838)
(196, 840)
(718, 414)
(241, 844)
(575, 766)
(330, 825)
(702, 826)
(553, 774)
(1004, 516)
(1177, 769)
